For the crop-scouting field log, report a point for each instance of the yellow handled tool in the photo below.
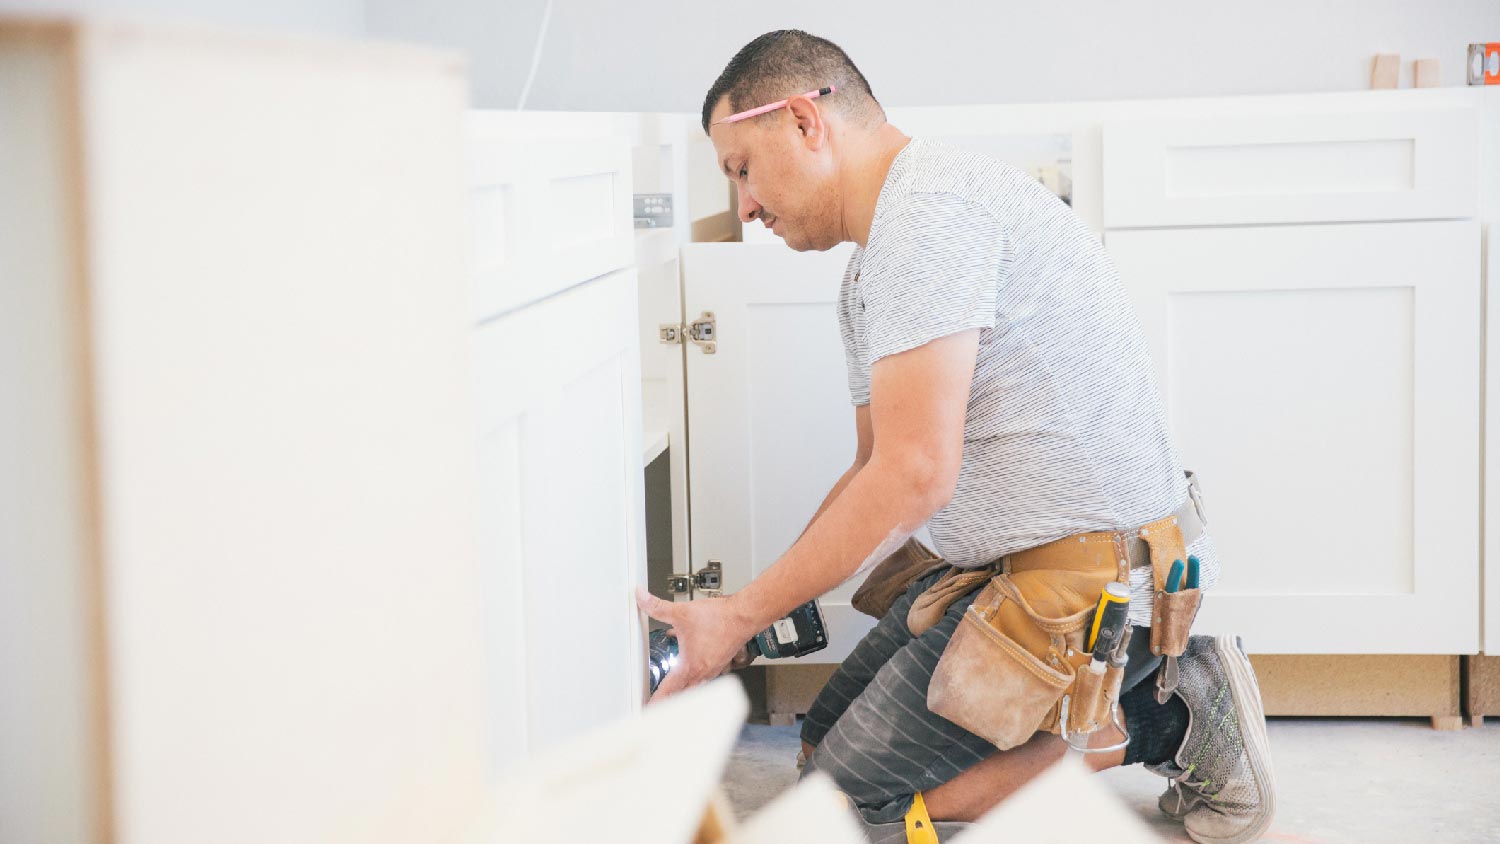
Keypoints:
(1110, 614)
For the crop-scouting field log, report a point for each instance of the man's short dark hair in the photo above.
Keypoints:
(789, 62)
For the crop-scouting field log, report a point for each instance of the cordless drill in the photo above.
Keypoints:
(799, 634)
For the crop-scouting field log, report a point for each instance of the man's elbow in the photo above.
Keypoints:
(926, 481)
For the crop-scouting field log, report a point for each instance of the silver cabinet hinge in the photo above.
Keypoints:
(708, 580)
(703, 332)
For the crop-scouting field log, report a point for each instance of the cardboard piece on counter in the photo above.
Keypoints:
(1426, 73)
(1387, 71)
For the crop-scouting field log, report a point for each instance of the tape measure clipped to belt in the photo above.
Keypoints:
(918, 823)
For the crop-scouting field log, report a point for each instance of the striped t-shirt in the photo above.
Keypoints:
(1065, 431)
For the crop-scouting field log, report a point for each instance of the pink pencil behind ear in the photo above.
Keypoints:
(756, 112)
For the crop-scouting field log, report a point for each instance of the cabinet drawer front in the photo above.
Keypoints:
(1411, 164)
(546, 215)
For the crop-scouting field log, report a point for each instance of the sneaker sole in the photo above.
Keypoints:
(1252, 718)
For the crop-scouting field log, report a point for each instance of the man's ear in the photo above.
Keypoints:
(810, 123)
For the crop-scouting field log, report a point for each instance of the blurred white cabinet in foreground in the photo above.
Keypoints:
(237, 568)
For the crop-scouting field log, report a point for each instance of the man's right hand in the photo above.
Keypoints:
(711, 637)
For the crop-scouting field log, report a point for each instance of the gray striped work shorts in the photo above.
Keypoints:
(871, 727)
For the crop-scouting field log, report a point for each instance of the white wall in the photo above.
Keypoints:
(661, 55)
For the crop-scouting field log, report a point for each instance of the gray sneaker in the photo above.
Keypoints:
(1222, 785)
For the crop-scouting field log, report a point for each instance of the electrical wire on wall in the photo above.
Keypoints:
(536, 56)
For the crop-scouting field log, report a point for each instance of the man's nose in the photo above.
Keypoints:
(750, 210)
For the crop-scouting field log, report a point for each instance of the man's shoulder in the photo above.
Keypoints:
(937, 169)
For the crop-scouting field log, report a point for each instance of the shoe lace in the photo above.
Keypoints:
(1201, 789)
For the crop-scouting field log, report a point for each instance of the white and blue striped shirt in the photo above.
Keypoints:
(1065, 430)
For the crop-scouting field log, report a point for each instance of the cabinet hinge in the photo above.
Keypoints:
(703, 332)
(708, 580)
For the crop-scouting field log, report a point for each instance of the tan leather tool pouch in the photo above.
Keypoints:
(1086, 701)
(1020, 646)
(1173, 612)
(1171, 620)
(988, 683)
(893, 576)
(928, 608)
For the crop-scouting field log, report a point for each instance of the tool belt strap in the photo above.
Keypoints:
(1190, 519)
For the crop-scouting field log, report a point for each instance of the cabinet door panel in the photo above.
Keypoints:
(769, 411)
(1324, 381)
(559, 394)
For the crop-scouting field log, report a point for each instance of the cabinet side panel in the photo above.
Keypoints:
(51, 742)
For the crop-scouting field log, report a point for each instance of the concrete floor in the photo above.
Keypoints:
(1339, 780)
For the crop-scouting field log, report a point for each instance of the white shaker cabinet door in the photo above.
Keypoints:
(768, 411)
(560, 513)
(1324, 381)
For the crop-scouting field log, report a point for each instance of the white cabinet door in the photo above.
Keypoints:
(560, 513)
(769, 413)
(1324, 380)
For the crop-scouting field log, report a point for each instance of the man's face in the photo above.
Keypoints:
(783, 168)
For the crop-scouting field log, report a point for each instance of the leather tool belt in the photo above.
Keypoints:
(1018, 662)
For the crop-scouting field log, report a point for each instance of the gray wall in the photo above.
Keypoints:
(661, 55)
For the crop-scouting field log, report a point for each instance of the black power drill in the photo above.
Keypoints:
(799, 634)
